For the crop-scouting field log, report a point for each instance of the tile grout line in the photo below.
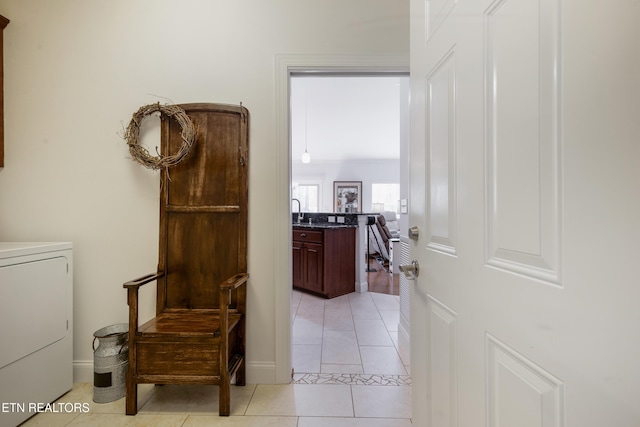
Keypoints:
(355, 330)
(255, 389)
(353, 402)
(324, 307)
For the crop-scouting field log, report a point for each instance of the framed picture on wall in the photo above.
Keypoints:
(347, 196)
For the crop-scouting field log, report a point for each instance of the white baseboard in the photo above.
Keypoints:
(83, 371)
(261, 373)
(362, 287)
(257, 372)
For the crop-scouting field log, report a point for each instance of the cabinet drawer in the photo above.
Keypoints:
(307, 235)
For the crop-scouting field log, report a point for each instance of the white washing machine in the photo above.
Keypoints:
(36, 327)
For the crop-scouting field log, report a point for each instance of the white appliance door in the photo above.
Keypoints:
(33, 306)
(525, 126)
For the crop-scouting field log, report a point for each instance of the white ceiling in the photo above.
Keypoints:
(345, 117)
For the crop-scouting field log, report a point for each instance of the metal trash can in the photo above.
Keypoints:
(110, 362)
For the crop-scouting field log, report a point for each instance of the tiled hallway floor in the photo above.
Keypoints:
(291, 405)
(355, 334)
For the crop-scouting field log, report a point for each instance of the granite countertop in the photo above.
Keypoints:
(324, 225)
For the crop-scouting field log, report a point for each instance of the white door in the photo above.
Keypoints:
(525, 188)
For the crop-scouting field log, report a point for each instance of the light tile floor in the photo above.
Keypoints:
(355, 335)
(350, 373)
(291, 405)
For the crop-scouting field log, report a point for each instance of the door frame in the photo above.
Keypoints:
(286, 65)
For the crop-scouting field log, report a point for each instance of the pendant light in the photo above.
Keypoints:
(306, 157)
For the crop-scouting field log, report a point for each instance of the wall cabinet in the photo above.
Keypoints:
(324, 260)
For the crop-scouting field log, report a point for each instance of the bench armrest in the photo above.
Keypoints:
(136, 283)
(234, 281)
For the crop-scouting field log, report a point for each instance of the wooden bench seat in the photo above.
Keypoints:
(183, 323)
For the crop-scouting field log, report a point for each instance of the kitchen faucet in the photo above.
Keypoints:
(300, 215)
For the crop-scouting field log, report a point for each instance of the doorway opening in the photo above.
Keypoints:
(349, 127)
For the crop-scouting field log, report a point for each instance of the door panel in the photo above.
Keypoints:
(524, 174)
(519, 392)
(313, 253)
(442, 364)
(441, 155)
(522, 137)
(297, 261)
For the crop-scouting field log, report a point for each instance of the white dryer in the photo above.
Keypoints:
(36, 327)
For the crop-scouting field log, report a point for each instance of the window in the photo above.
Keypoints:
(308, 194)
(385, 196)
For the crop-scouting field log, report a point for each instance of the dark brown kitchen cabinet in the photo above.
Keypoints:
(307, 257)
(324, 260)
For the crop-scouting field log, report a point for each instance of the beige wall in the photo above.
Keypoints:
(76, 70)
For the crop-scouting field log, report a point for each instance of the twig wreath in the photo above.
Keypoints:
(141, 154)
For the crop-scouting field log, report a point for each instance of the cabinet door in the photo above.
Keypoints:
(313, 263)
(298, 264)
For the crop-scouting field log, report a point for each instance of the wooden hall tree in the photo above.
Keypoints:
(198, 334)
